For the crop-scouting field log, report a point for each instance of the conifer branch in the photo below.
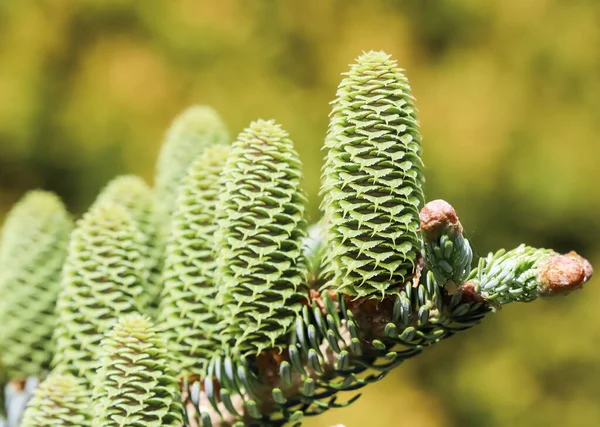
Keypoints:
(388, 334)
(261, 325)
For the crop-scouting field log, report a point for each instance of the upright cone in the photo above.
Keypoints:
(33, 247)
(135, 384)
(60, 401)
(188, 312)
(261, 269)
(372, 180)
(103, 277)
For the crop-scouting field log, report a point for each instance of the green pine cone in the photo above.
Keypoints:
(261, 270)
(133, 194)
(104, 276)
(525, 274)
(192, 132)
(188, 312)
(135, 385)
(372, 180)
(32, 250)
(60, 400)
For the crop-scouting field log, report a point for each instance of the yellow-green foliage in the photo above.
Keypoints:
(372, 180)
(261, 269)
(135, 385)
(104, 276)
(188, 311)
(33, 247)
(192, 132)
(59, 401)
(133, 194)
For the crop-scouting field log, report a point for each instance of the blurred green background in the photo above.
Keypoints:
(509, 100)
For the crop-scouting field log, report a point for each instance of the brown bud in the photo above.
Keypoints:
(587, 267)
(562, 274)
(437, 217)
(470, 292)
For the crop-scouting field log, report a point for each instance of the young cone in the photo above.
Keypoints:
(135, 385)
(372, 180)
(261, 270)
(60, 401)
(137, 198)
(32, 249)
(196, 129)
(188, 312)
(104, 276)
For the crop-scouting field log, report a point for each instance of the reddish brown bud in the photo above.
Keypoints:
(470, 292)
(562, 274)
(587, 267)
(437, 217)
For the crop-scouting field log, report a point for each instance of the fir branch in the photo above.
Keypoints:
(446, 252)
(264, 326)
(343, 344)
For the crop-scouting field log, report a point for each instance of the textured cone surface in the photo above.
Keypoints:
(188, 312)
(261, 270)
(372, 180)
(191, 133)
(60, 400)
(32, 250)
(135, 385)
(103, 277)
(137, 198)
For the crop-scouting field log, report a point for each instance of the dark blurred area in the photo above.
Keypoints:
(509, 100)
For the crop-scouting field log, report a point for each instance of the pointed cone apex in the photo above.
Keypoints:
(135, 384)
(59, 401)
(190, 134)
(188, 311)
(133, 194)
(103, 277)
(371, 180)
(261, 270)
(33, 247)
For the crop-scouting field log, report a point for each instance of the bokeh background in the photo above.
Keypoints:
(509, 100)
